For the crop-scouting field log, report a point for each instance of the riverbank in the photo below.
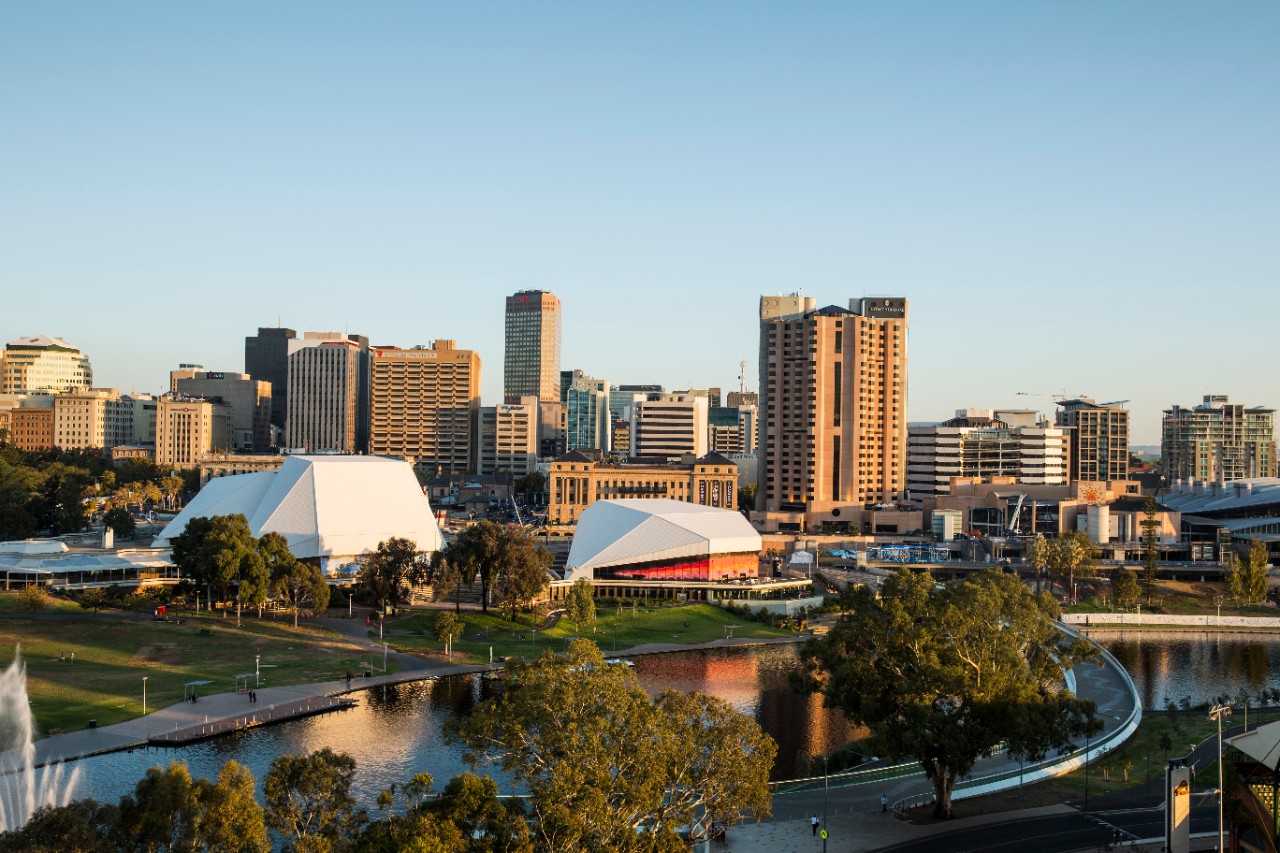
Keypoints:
(1092, 623)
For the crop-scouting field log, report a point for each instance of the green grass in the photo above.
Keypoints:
(1179, 598)
(1143, 751)
(112, 656)
(13, 602)
(614, 630)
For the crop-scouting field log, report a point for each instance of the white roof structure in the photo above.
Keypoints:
(33, 547)
(1262, 745)
(620, 532)
(42, 341)
(326, 506)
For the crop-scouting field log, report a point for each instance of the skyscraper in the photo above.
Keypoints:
(328, 393)
(1099, 439)
(266, 357)
(833, 394)
(587, 422)
(1218, 441)
(424, 404)
(532, 365)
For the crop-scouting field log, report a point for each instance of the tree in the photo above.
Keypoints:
(253, 581)
(213, 553)
(945, 674)
(580, 603)
(120, 520)
(163, 812)
(447, 628)
(231, 821)
(446, 580)
(389, 570)
(301, 586)
(82, 826)
(471, 804)
(1150, 539)
(531, 486)
(1125, 587)
(309, 802)
(747, 497)
(1247, 577)
(93, 599)
(172, 487)
(1037, 556)
(1071, 556)
(610, 770)
(506, 557)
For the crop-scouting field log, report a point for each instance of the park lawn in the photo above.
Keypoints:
(615, 629)
(113, 654)
(14, 602)
(1183, 598)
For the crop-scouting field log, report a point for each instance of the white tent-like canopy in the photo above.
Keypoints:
(328, 507)
(620, 532)
(1262, 745)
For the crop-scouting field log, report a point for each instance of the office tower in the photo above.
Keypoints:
(424, 404)
(1218, 441)
(250, 401)
(532, 365)
(266, 357)
(979, 443)
(670, 426)
(587, 422)
(620, 437)
(328, 393)
(507, 438)
(43, 364)
(731, 430)
(622, 396)
(80, 420)
(734, 399)
(1099, 436)
(833, 393)
(188, 429)
(31, 424)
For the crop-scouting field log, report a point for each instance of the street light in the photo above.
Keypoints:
(1086, 771)
(144, 695)
(257, 670)
(825, 777)
(1217, 712)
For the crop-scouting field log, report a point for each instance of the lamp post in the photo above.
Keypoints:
(144, 695)
(384, 657)
(257, 670)
(1086, 771)
(1217, 712)
(825, 777)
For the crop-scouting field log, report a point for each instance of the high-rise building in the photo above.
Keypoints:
(250, 401)
(189, 429)
(80, 420)
(833, 395)
(1218, 441)
(43, 364)
(587, 423)
(507, 438)
(328, 393)
(1099, 437)
(266, 357)
(979, 443)
(622, 396)
(731, 430)
(532, 364)
(424, 404)
(184, 371)
(669, 427)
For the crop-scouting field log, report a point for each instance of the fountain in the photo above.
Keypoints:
(23, 787)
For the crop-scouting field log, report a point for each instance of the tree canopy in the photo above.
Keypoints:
(503, 557)
(945, 674)
(607, 768)
(1247, 576)
(388, 571)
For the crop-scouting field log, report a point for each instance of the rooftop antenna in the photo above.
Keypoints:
(742, 377)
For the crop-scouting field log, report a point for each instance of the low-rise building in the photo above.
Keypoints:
(577, 481)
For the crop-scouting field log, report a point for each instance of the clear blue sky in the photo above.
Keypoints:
(1079, 197)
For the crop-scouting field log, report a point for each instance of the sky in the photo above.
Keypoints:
(1077, 198)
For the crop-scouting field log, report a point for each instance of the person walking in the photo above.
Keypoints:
(813, 824)
(884, 803)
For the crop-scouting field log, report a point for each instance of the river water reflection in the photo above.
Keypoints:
(396, 732)
(1170, 665)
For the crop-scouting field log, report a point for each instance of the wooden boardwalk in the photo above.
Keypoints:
(259, 716)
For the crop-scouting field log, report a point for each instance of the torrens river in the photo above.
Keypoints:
(1168, 665)
(396, 732)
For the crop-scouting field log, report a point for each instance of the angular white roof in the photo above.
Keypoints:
(42, 341)
(620, 532)
(326, 506)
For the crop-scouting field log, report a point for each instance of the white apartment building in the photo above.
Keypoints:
(670, 426)
(980, 443)
(507, 438)
(43, 363)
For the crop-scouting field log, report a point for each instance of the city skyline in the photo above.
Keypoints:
(1078, 200)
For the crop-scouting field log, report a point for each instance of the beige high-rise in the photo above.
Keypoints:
(532, 364)
(1099, 435)
(833, 406)
(424, 403)
(43, 363)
